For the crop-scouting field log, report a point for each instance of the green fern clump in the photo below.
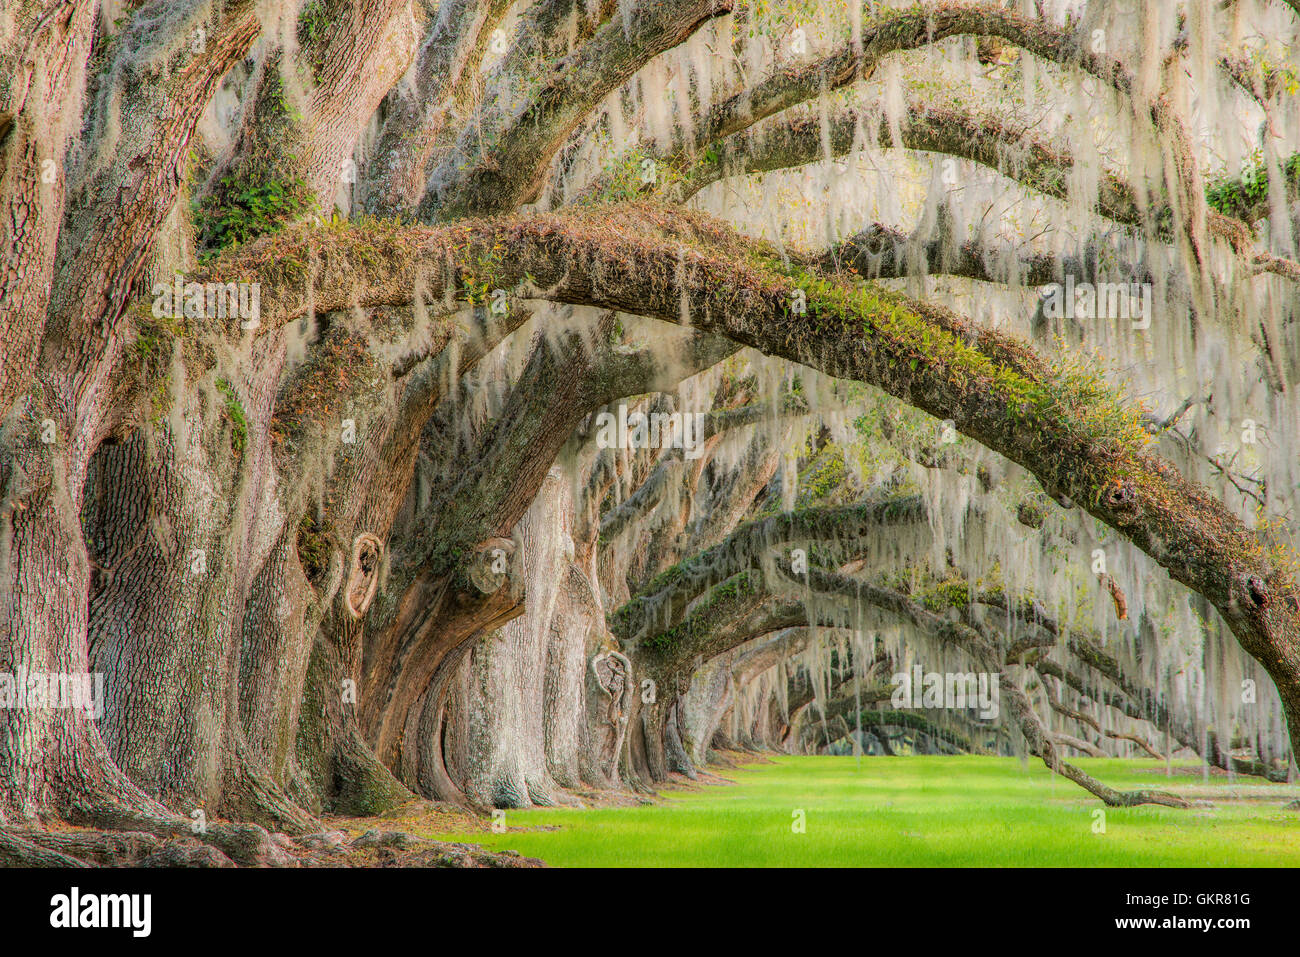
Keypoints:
(239, 212)
(1246, 196)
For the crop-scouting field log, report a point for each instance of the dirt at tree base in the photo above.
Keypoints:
(385, 841)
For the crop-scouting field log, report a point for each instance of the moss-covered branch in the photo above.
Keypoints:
(1082, 441)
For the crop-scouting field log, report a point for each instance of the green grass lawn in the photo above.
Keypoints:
(919, 812)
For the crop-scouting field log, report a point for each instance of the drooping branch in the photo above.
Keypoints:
(482, 179)
(893, 32)
(878, 721)
(664, 603)
(1043, 633)
(978, 647)
(1041, 743)
(1081, 444)
(652, 490)
(1001, 145)
(927, 24)
(946, 631)
(1060, 707)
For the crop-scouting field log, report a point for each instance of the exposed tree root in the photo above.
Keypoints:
(249, 845)
(362, 785)
(250, 794)
(19, 850)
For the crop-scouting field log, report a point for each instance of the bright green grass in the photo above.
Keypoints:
(919, 811)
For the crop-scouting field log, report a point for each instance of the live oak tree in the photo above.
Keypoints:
(310, 313)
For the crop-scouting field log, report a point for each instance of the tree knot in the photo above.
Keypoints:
(1258, 591)
(363, 576)
(1120, 494)
(490, 565)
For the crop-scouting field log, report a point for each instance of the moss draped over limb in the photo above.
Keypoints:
(985, 655)
(664, 600)
(1079, 439)
(880, 719)
(749, 604)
